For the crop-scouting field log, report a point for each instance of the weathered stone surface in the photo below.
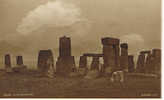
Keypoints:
(124, 63)
(19, 60)
(65, 61)
(8, 63)
(64, 46)
(45, 61)
(140, 63)
(124, 49)
(83, 62)
(149, 64)
(131, 63)
(110, 41)
(156, 53)
(153, 61)
(109, 56)
(124, 57)
(117, 52)
(111, 52)
(64, 65)
(95, 63)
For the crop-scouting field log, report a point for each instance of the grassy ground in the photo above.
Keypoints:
(32, 85)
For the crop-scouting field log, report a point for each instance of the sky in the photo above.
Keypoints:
(38, 24)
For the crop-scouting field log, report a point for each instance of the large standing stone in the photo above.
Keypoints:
(64, 65)
(45, 61)
(8, 63)
(131, 63)
(65, 62)
(20, 67)
(157, 60)
(64, 46)
(111, 53)
(83, 62)
(149, 64)
(124, 57)
(95, 63)
(19, 60)
(140, 63)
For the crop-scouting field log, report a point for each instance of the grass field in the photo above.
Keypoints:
(30, 84)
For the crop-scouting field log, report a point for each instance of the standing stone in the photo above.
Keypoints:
(124, 57)
(83, 62)
(131, 63)
(111, 53)
(45, 61)
(8, 63)
(124, 49)
(64, 46)
(95, 63)
(117, 55)
(65, 62)
(19, 60)
(109, 56)
(157, 60)
(140, 63)
(83, 66)
(149, 64)
(20, 67)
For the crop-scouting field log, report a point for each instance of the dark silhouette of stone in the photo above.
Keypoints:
(8, 64)
(111, 52)
(156, 53)
(149, 64)
(124, 57)
(65, 62)
(64, 65)
(95, 63)
(110, 41)
(152, 63)
(124, 49)
(131, 63)
(19, 60)
(64, 46)
(83, 62)
(45, 61)
(20, 67)
(140, 64)
(7, 61)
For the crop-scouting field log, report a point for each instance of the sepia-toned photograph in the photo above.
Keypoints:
(80, 48)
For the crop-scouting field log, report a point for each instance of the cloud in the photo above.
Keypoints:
(136, 43)
(52, 14)
(132, 39)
